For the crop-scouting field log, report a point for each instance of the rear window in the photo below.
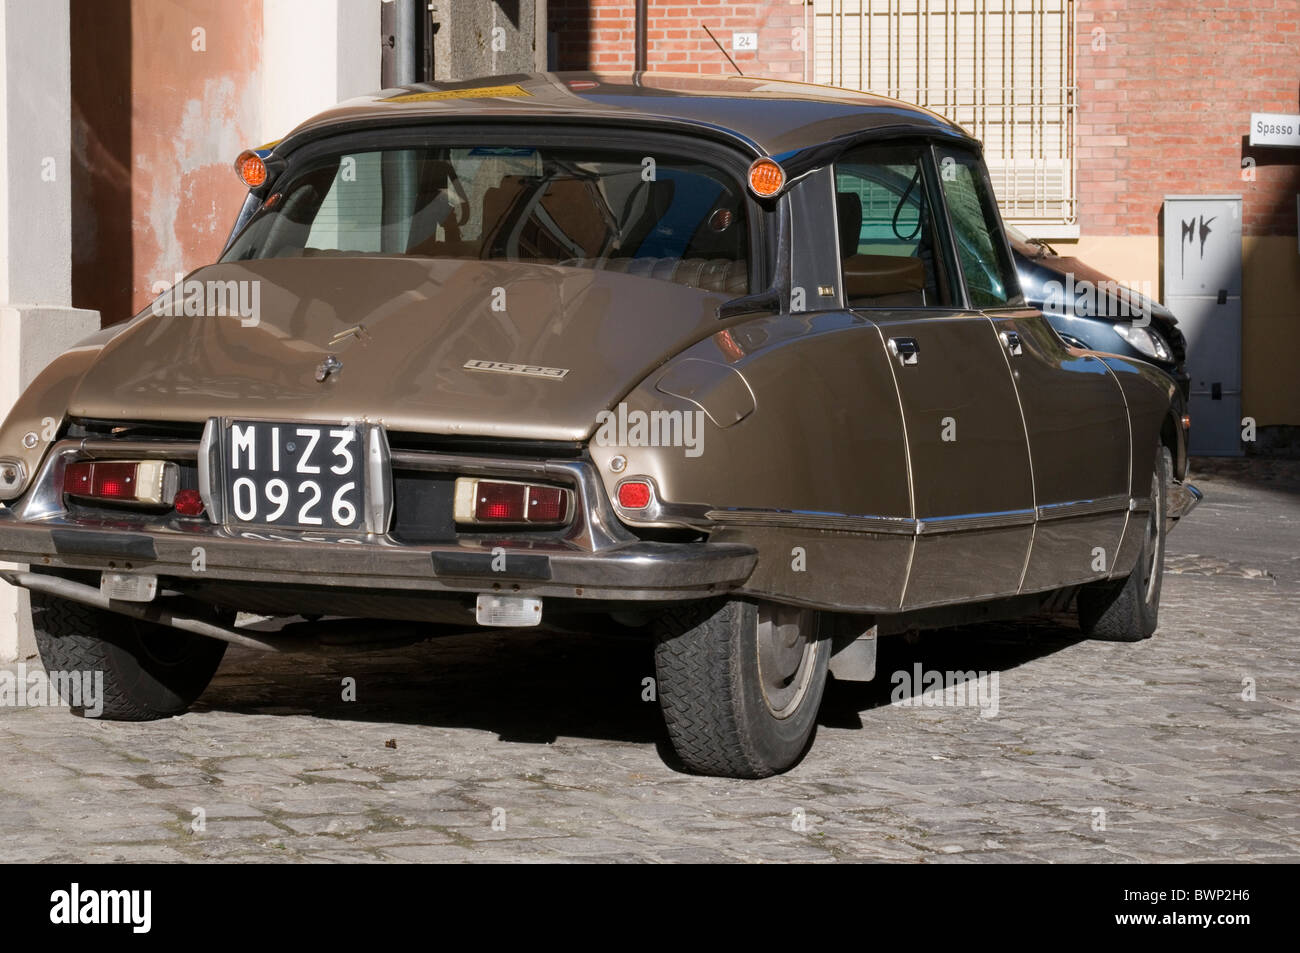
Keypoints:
(677, 219)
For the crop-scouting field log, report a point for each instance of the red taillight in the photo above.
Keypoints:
(189, 503)
(112, 481)
(501, 503)
(546, 504)
(634, 495)
(144, 481)
(495, 501)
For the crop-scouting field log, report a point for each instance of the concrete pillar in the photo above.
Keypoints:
(315, 54)
(37, 320)
(488, 37)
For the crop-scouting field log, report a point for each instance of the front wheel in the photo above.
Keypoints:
(740, 684)
(1129, 611)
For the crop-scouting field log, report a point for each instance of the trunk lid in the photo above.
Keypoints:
(419, 322)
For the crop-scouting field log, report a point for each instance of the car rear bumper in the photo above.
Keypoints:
(635, 570)
(595, 558)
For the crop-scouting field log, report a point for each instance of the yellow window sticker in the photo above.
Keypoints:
(477, 92)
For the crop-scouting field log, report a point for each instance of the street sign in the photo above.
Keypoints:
(1274, 129)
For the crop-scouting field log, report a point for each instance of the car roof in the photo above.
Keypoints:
(770, 117)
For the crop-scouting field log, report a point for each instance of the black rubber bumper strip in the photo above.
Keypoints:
(475, 565)
(84, 543)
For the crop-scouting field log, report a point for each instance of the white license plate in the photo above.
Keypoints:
(295, 476)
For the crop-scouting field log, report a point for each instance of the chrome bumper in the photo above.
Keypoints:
(556, 568)
(597, 558)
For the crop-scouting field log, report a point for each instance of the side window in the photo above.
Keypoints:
(977, 231)
(887, 230)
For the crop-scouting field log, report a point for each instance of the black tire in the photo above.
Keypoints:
(150, 671)
(736, 703)
(1129, 611)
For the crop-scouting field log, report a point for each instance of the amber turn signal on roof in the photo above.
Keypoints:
(766, 177)
(251, 168)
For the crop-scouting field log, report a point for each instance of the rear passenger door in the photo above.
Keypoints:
(1074, 410)
(972, 490)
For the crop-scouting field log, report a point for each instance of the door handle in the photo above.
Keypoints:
(1011, 341)
(905, 349)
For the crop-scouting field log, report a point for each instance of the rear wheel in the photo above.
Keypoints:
(740, 684)
(1129, 611)
(149, 671)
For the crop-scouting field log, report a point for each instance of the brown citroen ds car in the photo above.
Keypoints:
(742, 363)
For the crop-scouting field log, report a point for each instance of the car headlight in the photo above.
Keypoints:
(1147, 340)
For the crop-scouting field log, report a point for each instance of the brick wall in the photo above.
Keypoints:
(600, 35)
(1165, 97)
(1165, 91)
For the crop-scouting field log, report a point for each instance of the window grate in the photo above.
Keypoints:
(1003, 69)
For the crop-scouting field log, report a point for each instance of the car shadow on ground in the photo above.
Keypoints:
(966, 651)
(536, 687)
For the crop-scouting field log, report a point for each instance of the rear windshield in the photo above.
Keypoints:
(658, 216)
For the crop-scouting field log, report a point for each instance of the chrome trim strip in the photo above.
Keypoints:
(465, 464)
(44, 497)
(898, 525)
(379, 480)
(595, 526)
(1102, 504)
(967, 521)
(209, 460)
(160, 449)
(702, 516)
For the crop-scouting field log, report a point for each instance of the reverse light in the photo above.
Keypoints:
(505, 502)
(634, 494)
(151, 482)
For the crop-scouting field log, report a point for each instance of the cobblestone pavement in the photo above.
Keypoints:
(548, 736)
